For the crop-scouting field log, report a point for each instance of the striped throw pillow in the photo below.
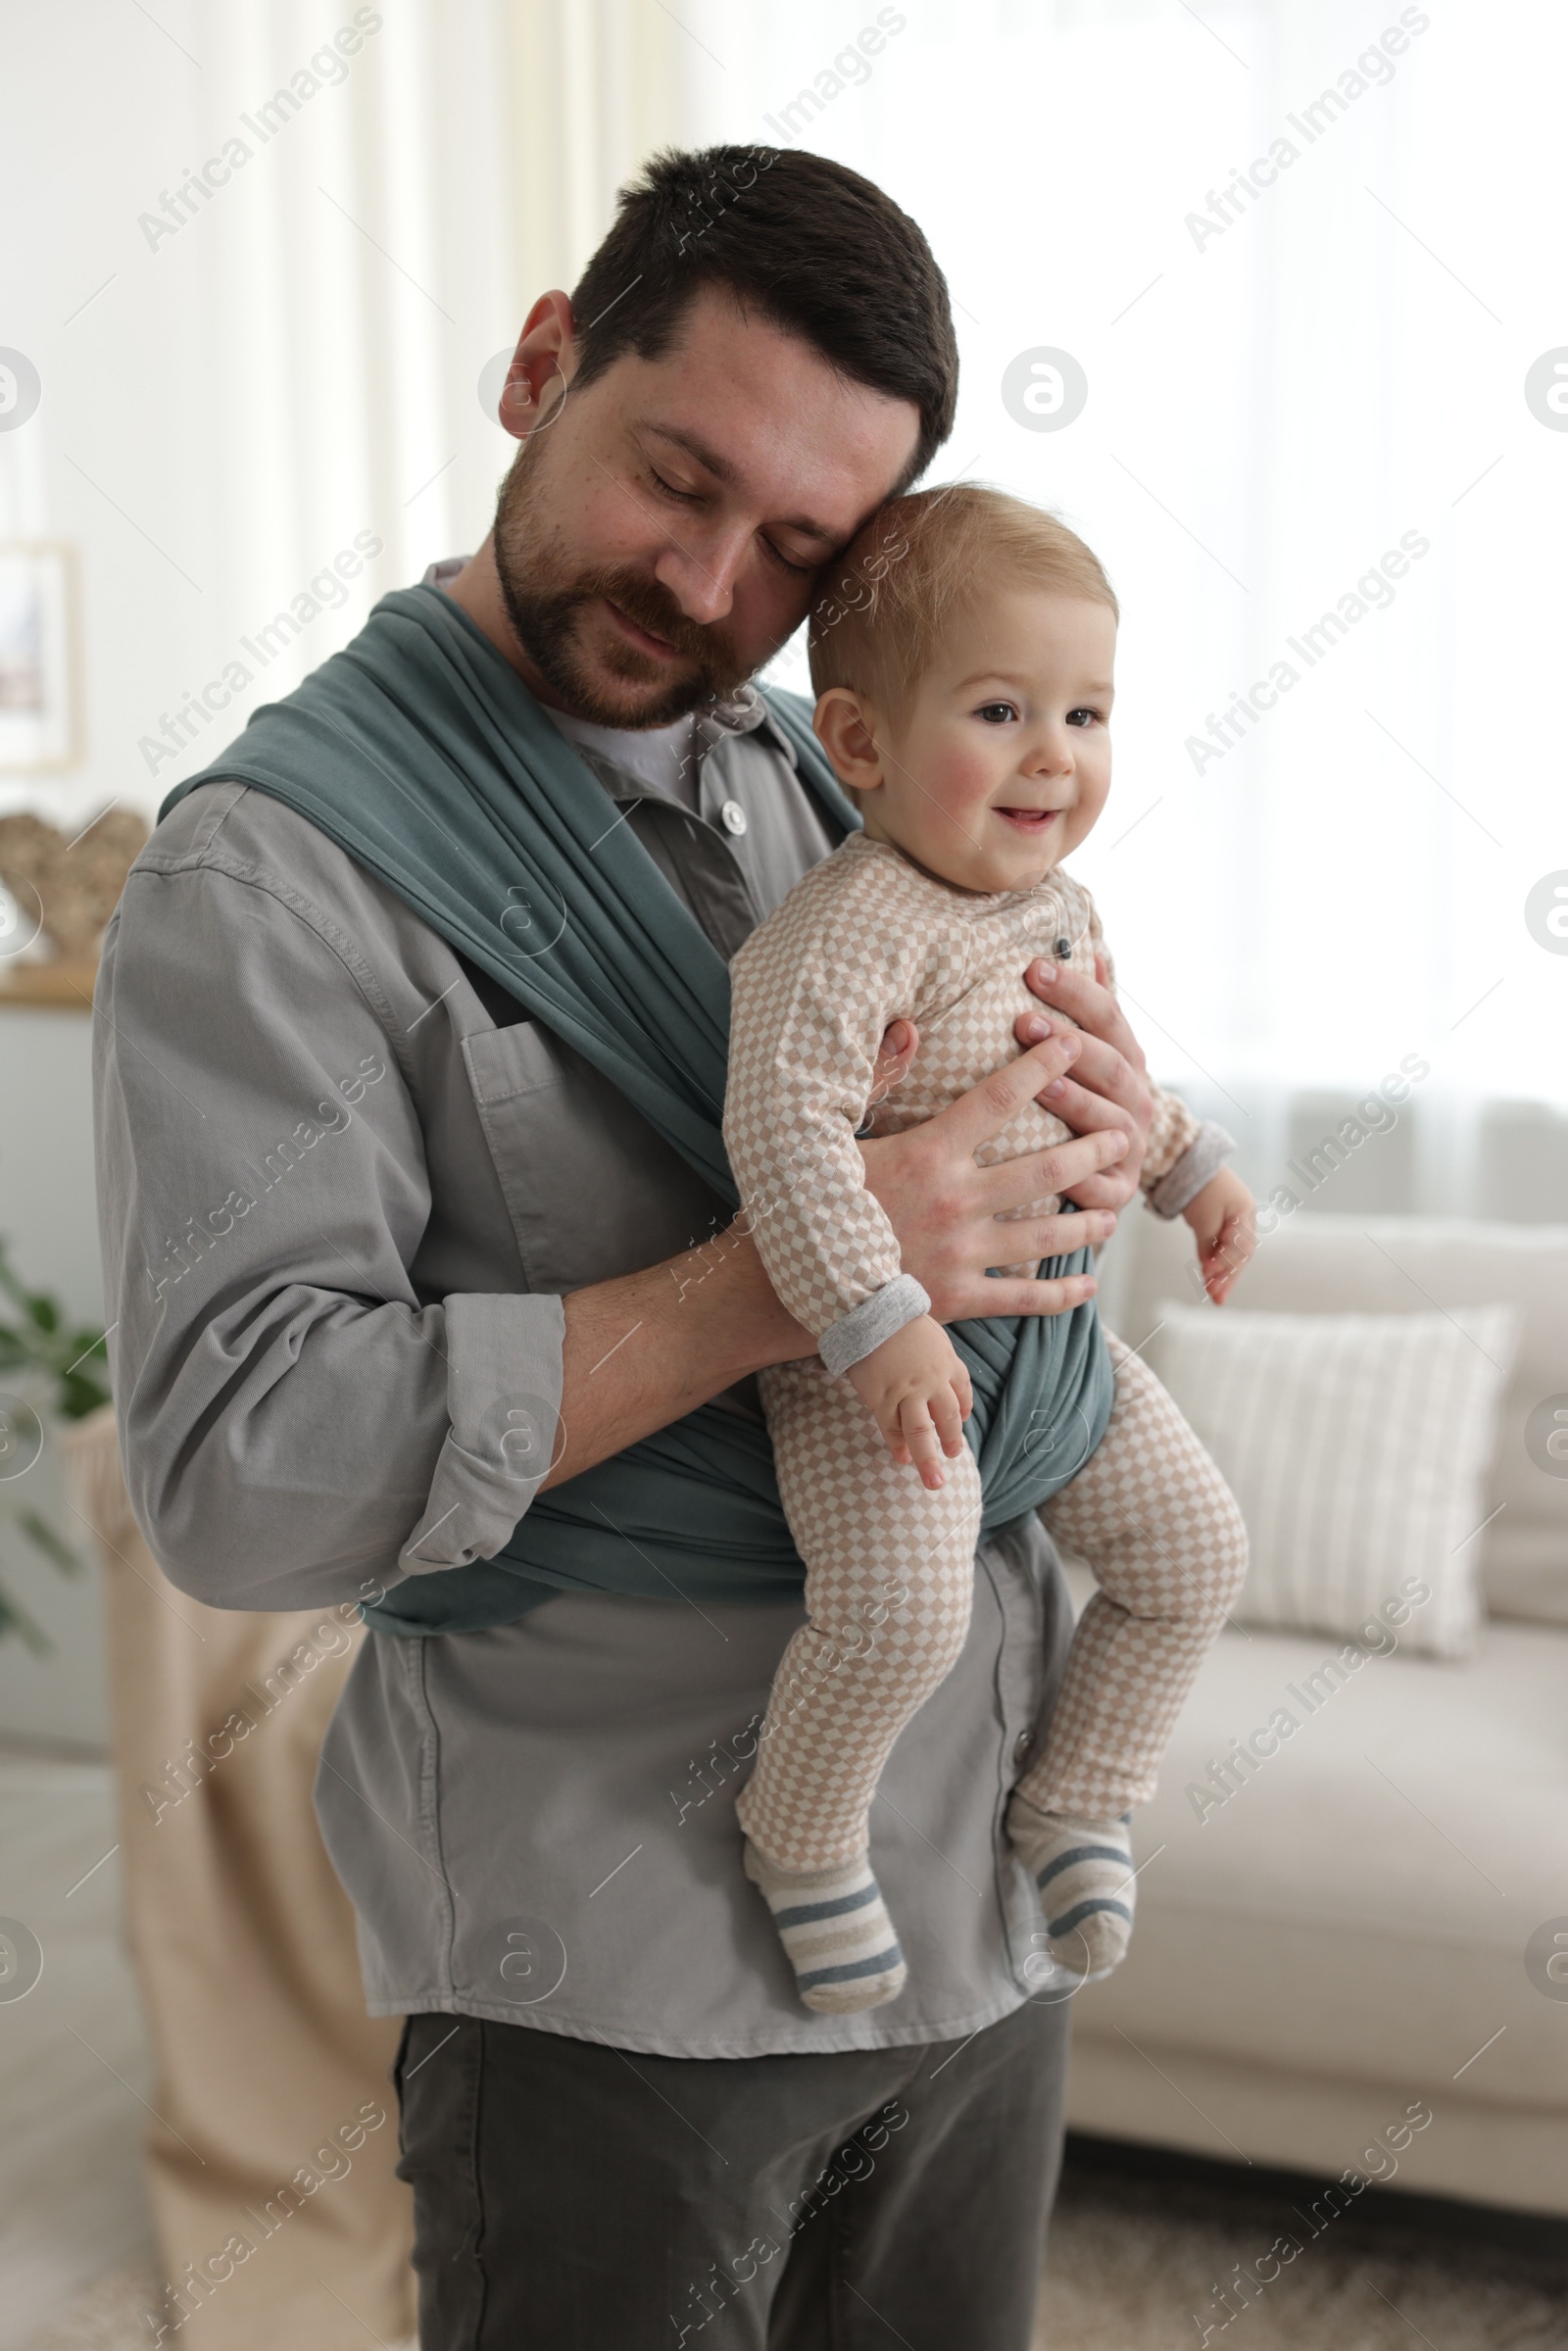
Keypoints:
(1357, 1446)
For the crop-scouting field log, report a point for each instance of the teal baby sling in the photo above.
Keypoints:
(421, 751)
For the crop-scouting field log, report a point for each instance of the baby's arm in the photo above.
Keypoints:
(813, 992)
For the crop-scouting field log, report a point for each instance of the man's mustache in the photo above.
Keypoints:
(653, 609)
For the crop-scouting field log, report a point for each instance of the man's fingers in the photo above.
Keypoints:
(1100, 1080)
(1021, 1297)
(1088, 1002)
(1060, 1236)
(981, 1114)
(1084, 1106)
(1107, 1184)
(1087, 1113)
(1112, 1190)
(1014, 1183)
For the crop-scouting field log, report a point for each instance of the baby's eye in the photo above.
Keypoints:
(995, 713)
(1084, 717)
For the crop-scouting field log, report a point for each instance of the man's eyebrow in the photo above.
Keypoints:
(722, 470)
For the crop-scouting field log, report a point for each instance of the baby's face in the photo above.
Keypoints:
(1001, 763)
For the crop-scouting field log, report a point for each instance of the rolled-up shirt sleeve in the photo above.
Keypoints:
(298, 1424)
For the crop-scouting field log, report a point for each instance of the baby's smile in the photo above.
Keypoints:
(1028, 821)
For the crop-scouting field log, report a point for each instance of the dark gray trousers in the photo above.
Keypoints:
(573, 2196)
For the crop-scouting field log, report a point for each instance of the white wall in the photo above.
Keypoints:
(47, 1217)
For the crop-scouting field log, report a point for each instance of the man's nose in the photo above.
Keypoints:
(701, 572)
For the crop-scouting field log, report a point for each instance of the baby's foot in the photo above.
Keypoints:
(836, 1930)
(1084, 1869)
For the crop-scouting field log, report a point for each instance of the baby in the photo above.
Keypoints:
(965, 701)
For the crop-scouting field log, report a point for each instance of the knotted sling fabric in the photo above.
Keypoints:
(421, 751)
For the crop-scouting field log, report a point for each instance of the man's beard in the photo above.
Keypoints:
(546, 614)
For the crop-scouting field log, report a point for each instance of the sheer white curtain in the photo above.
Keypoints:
(241, 380)
(1286, 383)
(1325, 368)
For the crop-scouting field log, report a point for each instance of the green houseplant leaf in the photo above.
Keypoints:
(74, 1358)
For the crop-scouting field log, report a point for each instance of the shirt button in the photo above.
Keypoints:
(1022, 1746)
(734, 817)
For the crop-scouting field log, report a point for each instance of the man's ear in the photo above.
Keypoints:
(542, 365)
(846, 727)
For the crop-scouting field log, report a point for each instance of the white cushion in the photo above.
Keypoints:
(1320, 1264)
(1357, 1446)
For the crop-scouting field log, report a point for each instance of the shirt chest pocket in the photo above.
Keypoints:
(591, 1189)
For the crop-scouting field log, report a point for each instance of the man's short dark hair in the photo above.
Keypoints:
(808, 244)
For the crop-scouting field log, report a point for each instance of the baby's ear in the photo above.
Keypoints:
(845, 728)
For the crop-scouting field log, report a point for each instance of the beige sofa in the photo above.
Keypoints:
(1345, 1938)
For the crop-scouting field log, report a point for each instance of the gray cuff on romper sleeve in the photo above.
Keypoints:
(898, 1302)
(1203, 1158)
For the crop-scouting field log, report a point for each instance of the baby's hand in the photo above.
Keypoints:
(918, 1392)
(1224, 1221)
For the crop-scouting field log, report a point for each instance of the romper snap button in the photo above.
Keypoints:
(1063, 949)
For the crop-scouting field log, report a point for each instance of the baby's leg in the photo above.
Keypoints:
(889, 1583)
(1161, 1528)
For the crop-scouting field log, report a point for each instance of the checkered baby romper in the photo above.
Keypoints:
(867, 937)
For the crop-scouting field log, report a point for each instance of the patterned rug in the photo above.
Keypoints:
(1147, 2264)
(1146, 2260)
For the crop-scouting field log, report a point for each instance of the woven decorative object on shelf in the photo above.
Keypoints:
(72, 885)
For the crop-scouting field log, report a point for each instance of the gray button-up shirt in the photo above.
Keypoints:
(344, 1185)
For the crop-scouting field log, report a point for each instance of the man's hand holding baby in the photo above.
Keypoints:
(918, 1392)
(1109, 1084)
(1108, 1090)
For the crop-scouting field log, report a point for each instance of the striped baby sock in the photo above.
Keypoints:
(1084, 1869)
(836, 1930)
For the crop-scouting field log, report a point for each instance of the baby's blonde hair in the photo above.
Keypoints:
(924, 559)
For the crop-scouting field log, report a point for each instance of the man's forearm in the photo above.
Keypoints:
(642, 1352)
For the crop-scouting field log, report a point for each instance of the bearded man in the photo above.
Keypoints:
(429, 1296)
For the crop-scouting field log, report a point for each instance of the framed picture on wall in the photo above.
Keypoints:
(40, 665)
